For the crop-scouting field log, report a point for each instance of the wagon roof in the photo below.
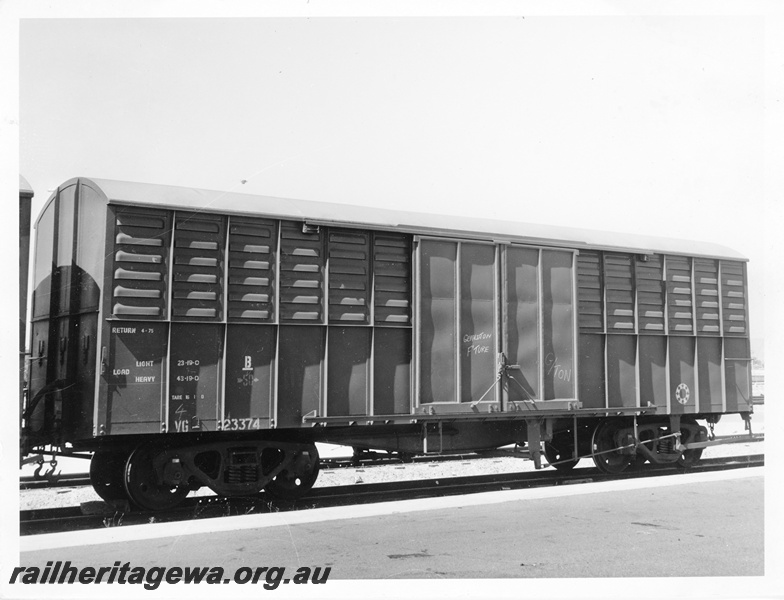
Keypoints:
(191, 199)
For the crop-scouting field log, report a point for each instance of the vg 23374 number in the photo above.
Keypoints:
(239, 424)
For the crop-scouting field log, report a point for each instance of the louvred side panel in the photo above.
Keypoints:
(141, 250)
(301, 274)
(733, 297)
(392, 279)
(252, 251)
(197, 289)
(589, 291)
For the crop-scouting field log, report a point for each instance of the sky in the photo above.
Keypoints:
(624, 123)
(658, 118)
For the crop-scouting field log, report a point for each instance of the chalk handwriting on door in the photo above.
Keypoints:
(473, 343)
(557, 370)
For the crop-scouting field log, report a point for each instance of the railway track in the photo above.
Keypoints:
(55, 520)
(70, 480)
(83, 479)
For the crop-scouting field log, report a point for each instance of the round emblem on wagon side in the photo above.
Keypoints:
(682, 393)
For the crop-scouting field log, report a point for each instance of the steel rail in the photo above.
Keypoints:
(30, 482)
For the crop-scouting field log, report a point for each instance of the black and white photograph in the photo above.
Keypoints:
(392, 300)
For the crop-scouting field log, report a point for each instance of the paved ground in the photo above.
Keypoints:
(691, 525)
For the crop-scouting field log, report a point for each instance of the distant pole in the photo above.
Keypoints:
(25, 200)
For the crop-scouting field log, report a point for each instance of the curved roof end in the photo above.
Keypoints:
(24, 187)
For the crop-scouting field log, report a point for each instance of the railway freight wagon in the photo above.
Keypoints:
(193, 338)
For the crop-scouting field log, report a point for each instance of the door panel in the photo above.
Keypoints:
(134, 375)
(460, 316)
(438, 323)
(392, 371)
(478, 345)
(194, 362)
(300, 366)
(558, 324)
(250, 358)
(593, 389)
(521, 317)
(348, 371)
(737, 374)
(622, 370)
(653, 371)
(683, 391)
(710, 376)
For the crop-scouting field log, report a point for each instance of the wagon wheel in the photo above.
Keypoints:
(298, 478)
(560, 450)
(689, 457)
(605, 454)
(107, 475)
(143, 485)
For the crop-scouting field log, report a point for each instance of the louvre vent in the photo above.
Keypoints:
(301, 273)
(392, 279)
(650, 294)
(733, 297)
(589, 291)
(349, 277)
(141, 245)
(619, 292)
(679, 296)
(706, 296)
(252, 248)
(198, 266)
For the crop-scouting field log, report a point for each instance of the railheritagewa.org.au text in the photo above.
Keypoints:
(59, 572)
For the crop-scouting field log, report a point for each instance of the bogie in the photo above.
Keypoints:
(615, 447)
(156, 477)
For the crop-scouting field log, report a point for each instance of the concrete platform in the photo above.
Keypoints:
(702, 525)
